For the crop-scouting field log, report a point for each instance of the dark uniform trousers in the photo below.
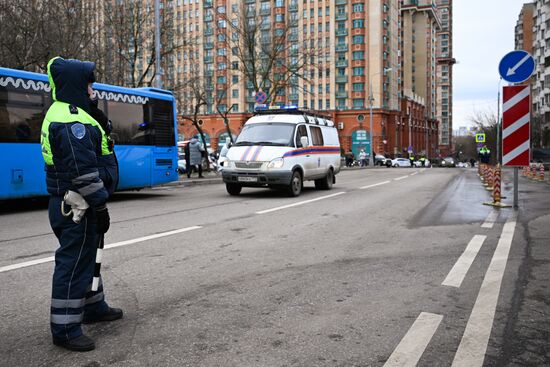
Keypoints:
(72, 278)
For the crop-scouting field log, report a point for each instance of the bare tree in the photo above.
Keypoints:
(269, 55)
(195, 90)
(33, 31)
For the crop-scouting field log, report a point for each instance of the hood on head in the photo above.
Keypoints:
(69, 81)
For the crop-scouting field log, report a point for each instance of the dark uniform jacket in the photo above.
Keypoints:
(75, 146)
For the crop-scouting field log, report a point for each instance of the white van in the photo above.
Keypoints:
(282, 149)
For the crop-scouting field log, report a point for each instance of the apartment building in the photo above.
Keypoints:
(540, 82)
(340, 53)
(420, 24)
(523, 35)
(444, 75)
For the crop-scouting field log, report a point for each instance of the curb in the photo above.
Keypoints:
(195, 181)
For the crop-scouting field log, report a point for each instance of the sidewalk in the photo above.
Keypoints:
(211, 177)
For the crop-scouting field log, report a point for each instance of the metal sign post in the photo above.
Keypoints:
(516, 67)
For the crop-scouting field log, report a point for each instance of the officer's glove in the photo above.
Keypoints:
(103, 219)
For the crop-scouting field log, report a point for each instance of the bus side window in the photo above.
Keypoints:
(300, 131)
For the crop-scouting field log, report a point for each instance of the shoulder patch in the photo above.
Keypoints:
(73, 110)
(78, 130)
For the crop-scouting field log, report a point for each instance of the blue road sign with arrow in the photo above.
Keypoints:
(516, 66)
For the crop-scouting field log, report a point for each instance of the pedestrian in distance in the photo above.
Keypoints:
(195, 155)
(80, 161)
(187, 154)
(363, 158)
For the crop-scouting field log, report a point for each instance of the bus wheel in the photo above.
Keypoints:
(233, 189)
(295, 187)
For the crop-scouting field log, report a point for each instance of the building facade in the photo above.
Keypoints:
(540, 82)
(342, 57)
(444, 75)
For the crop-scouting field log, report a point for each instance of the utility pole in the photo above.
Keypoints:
(158, 69)
(371, 99)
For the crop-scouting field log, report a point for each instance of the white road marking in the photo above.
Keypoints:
(400, 178)
(112, 245)
(462, 265)
(414, 173)
(413, 344)
(473, 346)
(490, 220)
(300, 203)
(374, 185)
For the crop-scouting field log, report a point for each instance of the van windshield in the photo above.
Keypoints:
(273, 133)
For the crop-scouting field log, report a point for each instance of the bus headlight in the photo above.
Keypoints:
(276, 163)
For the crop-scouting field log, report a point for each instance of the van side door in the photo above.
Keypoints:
(304, 160)
(320, 159)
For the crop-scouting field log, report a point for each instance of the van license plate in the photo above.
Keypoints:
(247, 179)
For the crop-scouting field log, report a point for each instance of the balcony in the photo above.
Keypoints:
(341, 32)
(341, 2)
(293, 96)
(341, 79)
(341, 17)
(250, 99)
(207, 3)
(342, 48)
(293, 7)
(209, 31)
(208, 59)
(341, 63)
(342, 94)
(208, 18)
(208, 45)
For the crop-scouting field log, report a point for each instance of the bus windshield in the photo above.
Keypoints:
(276, 134)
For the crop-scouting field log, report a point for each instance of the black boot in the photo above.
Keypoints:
(79, 344)
(112, 314)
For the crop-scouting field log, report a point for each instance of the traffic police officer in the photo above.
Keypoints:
(79, 158)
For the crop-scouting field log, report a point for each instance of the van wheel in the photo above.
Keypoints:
(296, 184)
(325, 183)
(233, 189)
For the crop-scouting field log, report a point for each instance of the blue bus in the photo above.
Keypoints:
(144, 131)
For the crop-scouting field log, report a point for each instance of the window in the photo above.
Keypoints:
(358, 103)
(300, 131)
(358, 23)
(21, 114)
(358, 39)
(358, 55)
(316, 133)
(235, 93)
(358, 7)
(358, 71)
(358, 87)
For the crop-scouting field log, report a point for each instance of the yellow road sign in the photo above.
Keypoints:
(480, 138)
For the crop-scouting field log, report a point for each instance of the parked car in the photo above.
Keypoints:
(448, 162)
(181, 163)
(542, 156)
(380, 160)
(401, 162)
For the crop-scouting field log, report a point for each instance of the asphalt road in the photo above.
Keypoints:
(395, 267)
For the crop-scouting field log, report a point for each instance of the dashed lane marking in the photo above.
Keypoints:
(490, 220)
(461, 267)
(400, 178)
(112, 245)
(414, 343)
(473, 346)
(374, 185)
(300, 203)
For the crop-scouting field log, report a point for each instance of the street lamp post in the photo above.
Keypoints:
(371, 99)
(158, 77)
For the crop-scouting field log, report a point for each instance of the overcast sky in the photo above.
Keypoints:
(483, 32)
